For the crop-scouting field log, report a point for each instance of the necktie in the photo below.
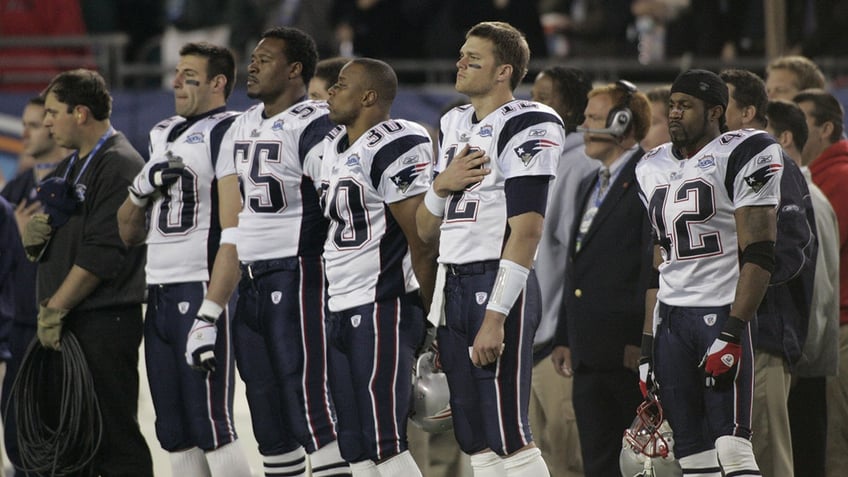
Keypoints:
(604, 175)
(592, 207)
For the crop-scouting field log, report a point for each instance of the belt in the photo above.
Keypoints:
(474, 268)
(258, 268)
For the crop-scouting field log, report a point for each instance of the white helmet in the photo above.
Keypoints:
(648, 444)
(431, 409)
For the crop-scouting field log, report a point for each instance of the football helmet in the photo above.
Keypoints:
(648, 444)
(431, 409)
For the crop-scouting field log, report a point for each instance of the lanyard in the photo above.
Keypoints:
(75, 155)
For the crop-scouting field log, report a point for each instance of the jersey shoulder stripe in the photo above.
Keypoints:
(516, 124)
(313, 134)
(216, 136)
(391, 152)
(742, 154)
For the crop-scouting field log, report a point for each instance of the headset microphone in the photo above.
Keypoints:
(619, 118)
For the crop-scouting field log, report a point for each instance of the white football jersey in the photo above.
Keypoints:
(366, 253)
(522, 138)
(691, 204)
(278, 160)
(183, 232)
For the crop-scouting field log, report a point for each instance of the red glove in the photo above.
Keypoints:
(722, 359)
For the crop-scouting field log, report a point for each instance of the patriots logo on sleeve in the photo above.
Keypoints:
(761, 176)
(527, 151)
(406, 176)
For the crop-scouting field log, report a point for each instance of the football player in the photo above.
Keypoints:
(191, 195)
(711, 198)
(375, 173)
(485, 208)
(278, 331)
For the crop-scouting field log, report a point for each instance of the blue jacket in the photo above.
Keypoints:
(784, 314)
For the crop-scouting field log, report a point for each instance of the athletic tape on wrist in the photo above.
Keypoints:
(137, 200)
(209, 311)
(434, 203)
(229, 235)
(510, 282)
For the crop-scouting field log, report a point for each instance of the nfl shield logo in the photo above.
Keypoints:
(710, 319)
(355, 320)
(481, 297)
(183, 307)
(276, 296)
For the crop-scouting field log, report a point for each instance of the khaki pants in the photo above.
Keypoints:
(837, 412)
(771, 437)
(552, 421)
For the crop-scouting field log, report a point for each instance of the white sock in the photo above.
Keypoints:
(189, 462)
(526, 463)
(364, 468)
(702, 464)
(487, 464)
(327, 462)
(228, 461)
(401, 465)
(290, 464)
(736, 456)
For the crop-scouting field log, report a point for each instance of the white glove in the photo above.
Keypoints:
(200, 342)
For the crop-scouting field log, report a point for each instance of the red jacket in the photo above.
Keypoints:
(830, 173)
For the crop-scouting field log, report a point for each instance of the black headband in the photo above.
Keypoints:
(704, 85)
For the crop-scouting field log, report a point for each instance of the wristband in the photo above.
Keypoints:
(136, 199)
(510, 282)
(647, 345)
(434, 203)
(209, 311)
(229, 235)
(733, 328)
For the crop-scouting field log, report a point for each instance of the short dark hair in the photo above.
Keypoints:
(826, 108)
(328, 69)
(82, 87)
(220, 61)
(748, 90)
(36, 101)
(510, 47)
(299, 48)
(573, 86)
(381, 78)
(787, 116)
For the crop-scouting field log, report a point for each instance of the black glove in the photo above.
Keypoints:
(159, 177)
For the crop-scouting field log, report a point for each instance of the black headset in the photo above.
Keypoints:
(620, 117)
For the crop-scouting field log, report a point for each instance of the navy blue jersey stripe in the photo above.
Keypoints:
(521, 122)
(313, 227)
(393, 248)
(314, 133)
(526, 194)
(741, 155)
(390, 153)
(217, 136)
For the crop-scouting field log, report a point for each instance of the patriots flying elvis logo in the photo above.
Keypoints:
(761, 176)
(527, 151)
(406, 176)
